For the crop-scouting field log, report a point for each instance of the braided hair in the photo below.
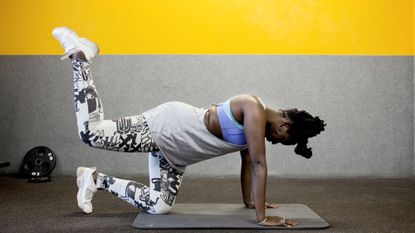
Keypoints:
(304, 126)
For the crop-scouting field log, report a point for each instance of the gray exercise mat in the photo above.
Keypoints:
(226, 216)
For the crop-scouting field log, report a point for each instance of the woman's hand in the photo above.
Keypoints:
(251, 205)
(277, 221)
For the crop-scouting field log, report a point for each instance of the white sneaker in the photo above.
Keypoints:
(72, 43)
(86, 188)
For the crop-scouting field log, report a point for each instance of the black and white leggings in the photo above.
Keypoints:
(127, 134)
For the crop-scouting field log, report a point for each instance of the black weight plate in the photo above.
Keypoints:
(38, 162)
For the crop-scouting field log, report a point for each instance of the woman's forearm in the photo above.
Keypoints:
(246, 178)
(259, 177)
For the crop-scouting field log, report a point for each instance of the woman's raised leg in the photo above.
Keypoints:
(127, 134)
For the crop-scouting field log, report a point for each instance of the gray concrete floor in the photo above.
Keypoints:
(349, 205)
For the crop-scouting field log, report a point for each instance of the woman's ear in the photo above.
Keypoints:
(282, 129)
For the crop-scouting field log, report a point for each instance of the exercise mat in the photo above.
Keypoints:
(226, 216)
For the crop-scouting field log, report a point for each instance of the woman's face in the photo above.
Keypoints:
(287, 140)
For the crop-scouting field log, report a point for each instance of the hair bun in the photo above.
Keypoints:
(303, 150)
(304, 126)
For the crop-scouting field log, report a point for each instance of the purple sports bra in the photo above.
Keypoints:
(232, 131)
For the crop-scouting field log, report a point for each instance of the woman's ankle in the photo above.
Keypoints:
(78, 56)
(95, 176)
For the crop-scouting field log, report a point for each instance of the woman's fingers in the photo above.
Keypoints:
(250, 205)
(292, 223)
(272, 205)
(279, 221)
(267, 205)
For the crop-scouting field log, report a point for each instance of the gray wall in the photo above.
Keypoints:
(367, 102)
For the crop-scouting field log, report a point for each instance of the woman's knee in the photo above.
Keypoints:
(85, 137)
(89, 139)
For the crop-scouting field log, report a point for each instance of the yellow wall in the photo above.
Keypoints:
(352, 27)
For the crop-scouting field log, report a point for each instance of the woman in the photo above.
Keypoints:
(178, 135)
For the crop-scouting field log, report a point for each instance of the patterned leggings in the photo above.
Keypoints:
(127, 134)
